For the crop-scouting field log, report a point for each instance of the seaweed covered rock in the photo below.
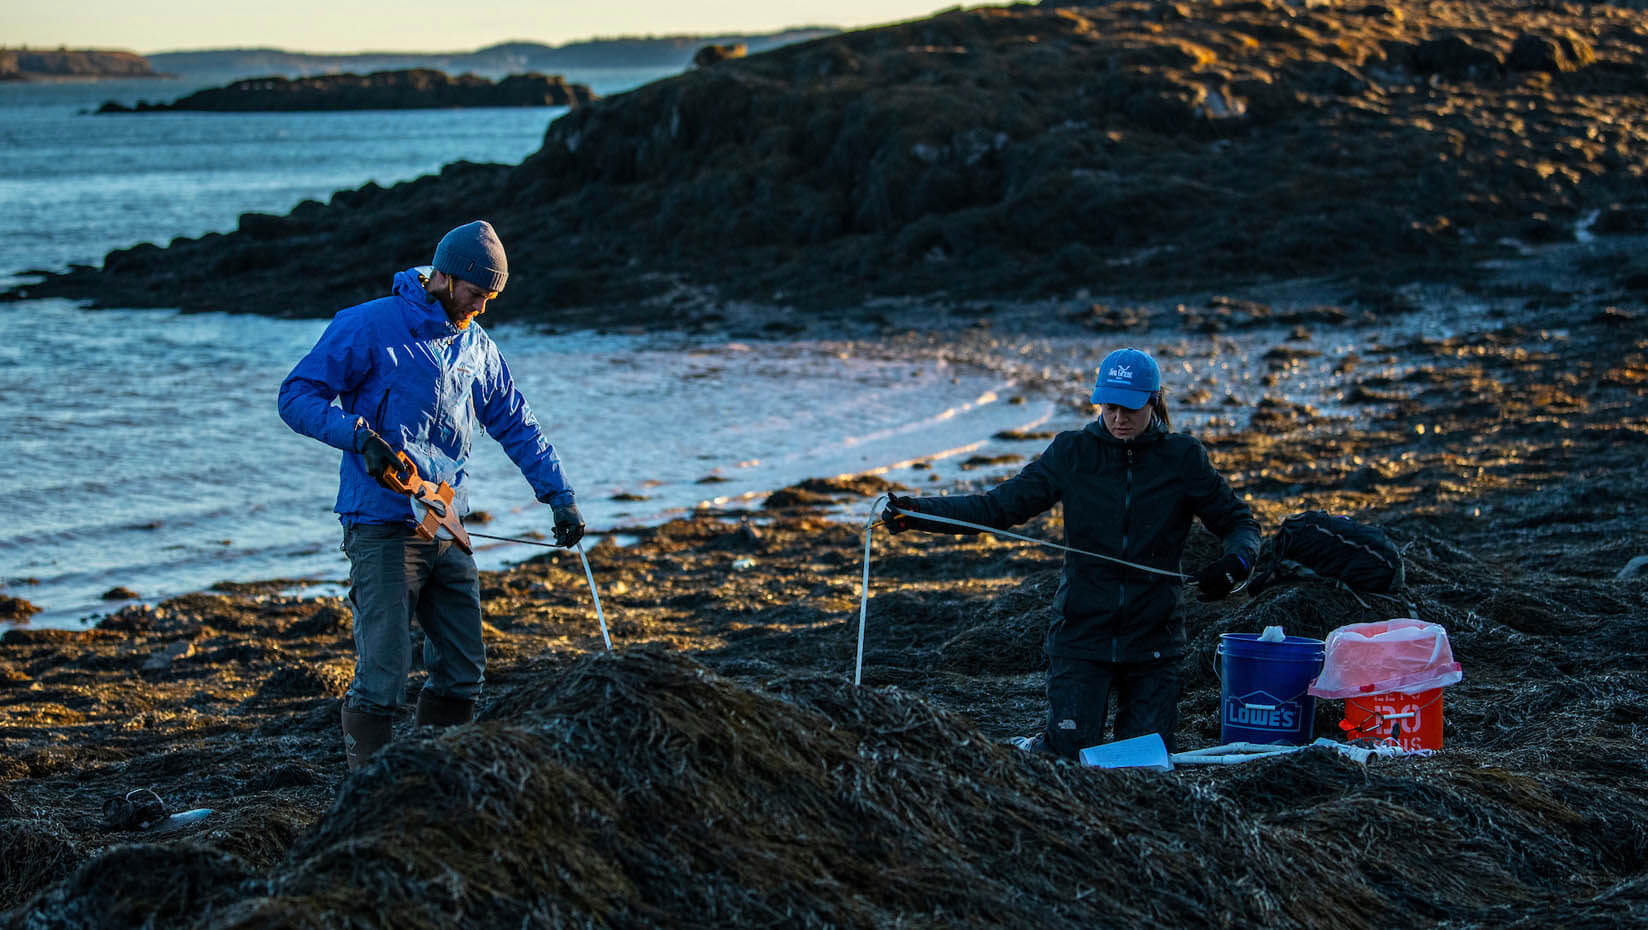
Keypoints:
(719, 767)
(33, 853)
(1132, 145)
(140, 885)
(641, 788)
(16, 608)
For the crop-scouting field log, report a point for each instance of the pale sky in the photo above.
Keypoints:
(149, 26)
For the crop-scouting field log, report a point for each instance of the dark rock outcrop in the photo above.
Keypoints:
(711, 54)
(1562, 52)
(415, 89)
(16, 608)
(1009, 152)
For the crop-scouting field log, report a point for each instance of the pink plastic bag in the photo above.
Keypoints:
(1389, 655)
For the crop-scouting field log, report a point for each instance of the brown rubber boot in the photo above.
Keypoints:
(364, 734)
(435, 710)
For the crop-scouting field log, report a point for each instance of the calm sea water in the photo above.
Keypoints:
(75, 185)
(144, 447)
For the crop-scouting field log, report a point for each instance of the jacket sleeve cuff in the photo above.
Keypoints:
(345, 432)
(557, 498)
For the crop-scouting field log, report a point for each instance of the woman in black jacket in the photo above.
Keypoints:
(1130, 489)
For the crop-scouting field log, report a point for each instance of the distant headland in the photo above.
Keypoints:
(25, 64)
(412, 89)
(492, 61)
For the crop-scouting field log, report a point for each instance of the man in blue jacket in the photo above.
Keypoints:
(412, 373)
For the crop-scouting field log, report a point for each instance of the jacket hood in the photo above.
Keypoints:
(424, 315)
(1153, 433)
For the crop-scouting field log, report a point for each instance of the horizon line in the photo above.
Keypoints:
(62, 47)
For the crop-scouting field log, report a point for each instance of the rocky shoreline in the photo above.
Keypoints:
(1136, 147)
(719, 767)
(410, 89)
(1486, 404)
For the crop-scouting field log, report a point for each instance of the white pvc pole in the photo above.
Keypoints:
(864, 594)
(596, 595)
(1245, 753)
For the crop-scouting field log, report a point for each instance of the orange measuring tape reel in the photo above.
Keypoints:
(438, 512)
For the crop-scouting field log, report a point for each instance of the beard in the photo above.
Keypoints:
(458, 316)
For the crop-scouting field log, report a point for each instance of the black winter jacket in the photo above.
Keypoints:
(1129, 500)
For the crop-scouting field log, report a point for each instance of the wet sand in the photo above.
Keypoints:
(719, 768)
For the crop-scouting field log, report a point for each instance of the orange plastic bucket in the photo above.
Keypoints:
(1415, 720)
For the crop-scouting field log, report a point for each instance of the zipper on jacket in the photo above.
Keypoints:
(1127, 517)
(449, 360)
(377, 415)
(442, 350)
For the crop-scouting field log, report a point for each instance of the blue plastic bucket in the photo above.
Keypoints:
(1262, 698)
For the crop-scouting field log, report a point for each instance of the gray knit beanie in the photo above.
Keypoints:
(473, 253)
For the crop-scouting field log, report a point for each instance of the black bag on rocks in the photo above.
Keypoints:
(1319, 544)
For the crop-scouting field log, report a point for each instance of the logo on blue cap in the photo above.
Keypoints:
(1127, 377)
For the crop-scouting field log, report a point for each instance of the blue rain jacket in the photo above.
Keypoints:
(399, 366)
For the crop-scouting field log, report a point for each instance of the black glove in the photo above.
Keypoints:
(380, 458)
(1221, 577)
(893, 515)
(569, 525)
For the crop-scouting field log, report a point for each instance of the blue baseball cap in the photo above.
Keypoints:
(1127, 378)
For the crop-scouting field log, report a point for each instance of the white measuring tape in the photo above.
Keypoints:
(596, 595)
(864, 592)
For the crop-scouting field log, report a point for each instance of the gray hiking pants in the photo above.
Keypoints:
(1078, 695)
(393, 577)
